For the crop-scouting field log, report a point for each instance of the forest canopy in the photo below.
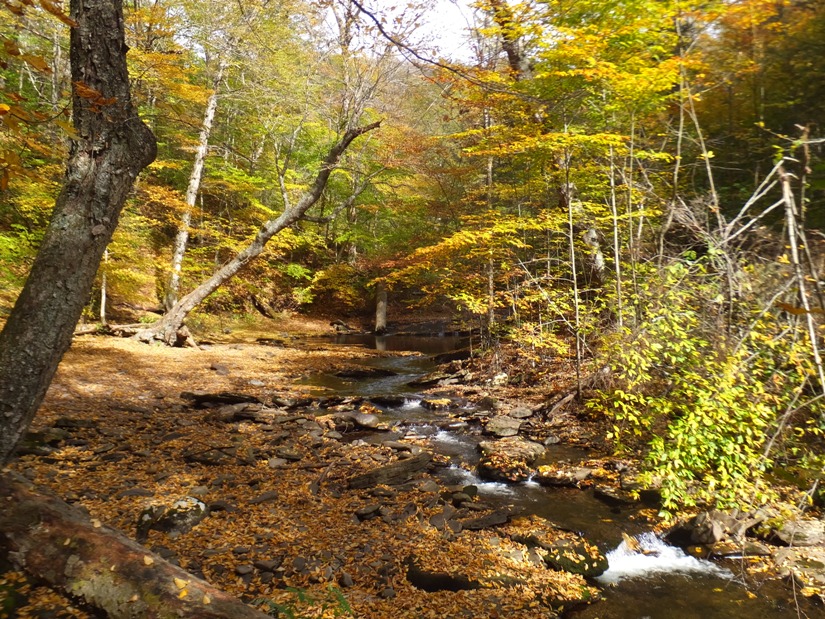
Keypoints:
(636, 185)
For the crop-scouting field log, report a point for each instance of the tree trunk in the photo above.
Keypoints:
(167, 328)
(58, 543)
(112, 148)
(182, 237)
(380, 309)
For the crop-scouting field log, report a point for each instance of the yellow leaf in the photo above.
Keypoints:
(180, 583)
(182, 594)
(68, 128)
(206, 599)
(96, 523)
(148, 560)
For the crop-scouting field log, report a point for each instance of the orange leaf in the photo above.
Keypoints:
(11, 47)
(86, 92)
(55, 9)
(36, 62)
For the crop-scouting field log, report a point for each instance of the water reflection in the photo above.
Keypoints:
(427, 344)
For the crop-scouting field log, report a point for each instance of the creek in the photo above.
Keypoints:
(657, 581)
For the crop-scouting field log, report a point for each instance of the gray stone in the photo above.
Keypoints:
(520, 412)
(242, 570)
(502, 426)
(801, 532)
(514, 448)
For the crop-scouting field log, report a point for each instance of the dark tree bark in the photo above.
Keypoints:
(112, 148)
(168, 328)
(58, 543)
(510, 41)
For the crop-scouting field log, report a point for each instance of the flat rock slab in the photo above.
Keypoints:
(392, 474)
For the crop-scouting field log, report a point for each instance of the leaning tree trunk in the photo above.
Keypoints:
(192, 189)
(169, 328)
(112, 147)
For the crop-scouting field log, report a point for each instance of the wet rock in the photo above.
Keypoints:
(745, 548)
(436, 403)
(389, 401)
(502, 426)
(576, 557)
(175, 519)
(570, 476)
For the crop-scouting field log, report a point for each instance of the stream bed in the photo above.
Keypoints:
(656, 581)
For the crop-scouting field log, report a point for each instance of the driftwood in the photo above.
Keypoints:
(391, 474)
(56, 542)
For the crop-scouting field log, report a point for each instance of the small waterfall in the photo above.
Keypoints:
(651, 557)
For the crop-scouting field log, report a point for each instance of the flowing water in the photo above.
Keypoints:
(655, 581)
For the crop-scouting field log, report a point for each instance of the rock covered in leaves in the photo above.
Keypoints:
(576, 557)
(175, 519)
(509, 459)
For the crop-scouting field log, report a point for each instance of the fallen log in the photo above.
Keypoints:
(59, 544)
